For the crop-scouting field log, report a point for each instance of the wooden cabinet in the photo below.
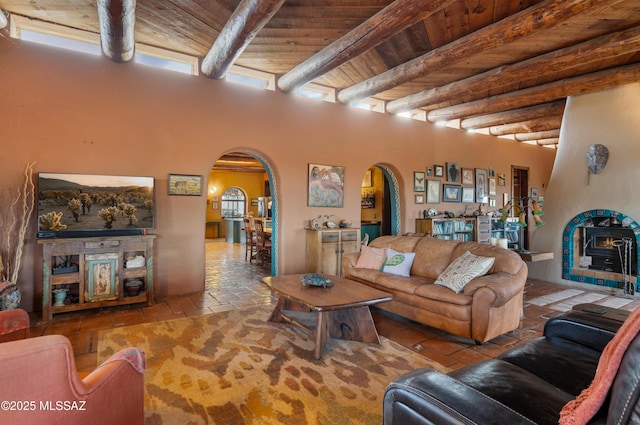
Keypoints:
(96, 272)
(459, 229)
(325, 247)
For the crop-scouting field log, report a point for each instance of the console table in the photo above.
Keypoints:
(96, 272)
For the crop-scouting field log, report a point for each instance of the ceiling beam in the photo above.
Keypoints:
(551, 141)
(396, 17)
(117, 20)
(538, 124)
(540, 94)
(591, 51)
(3, 19)
(538, 135)
(514, 116)
(543, 15)
(244, 24)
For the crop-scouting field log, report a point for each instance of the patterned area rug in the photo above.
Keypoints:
(237, 368)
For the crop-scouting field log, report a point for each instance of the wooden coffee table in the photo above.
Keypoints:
(340, 311)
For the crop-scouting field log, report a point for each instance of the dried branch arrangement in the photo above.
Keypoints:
(15, 213)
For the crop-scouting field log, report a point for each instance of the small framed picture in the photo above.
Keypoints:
(419, 199)
(418, 181)
(433, 191)
(451, 193)
(468, 194)
(438, 170)
(492, 186)
(467, 176)
(502, 179)
(453, 172)
(366, 181)
(429, 171)
(534, 192)
(185, 185)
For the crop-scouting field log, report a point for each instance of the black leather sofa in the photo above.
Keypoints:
(528, 384)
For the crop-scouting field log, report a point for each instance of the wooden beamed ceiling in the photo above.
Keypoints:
(503, 67)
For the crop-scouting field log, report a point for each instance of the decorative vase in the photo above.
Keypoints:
(59, 295)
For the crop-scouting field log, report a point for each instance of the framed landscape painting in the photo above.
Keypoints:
(185, 185)
(326, 187)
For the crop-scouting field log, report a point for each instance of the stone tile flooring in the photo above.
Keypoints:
(232, 283)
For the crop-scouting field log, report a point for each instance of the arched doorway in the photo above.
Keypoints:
(380, 202)
(250, 173)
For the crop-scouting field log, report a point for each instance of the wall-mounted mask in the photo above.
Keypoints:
(597, 157)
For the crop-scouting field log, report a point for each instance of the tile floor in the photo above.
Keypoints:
(231, 283)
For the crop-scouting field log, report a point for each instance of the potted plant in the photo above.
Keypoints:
(15, 213)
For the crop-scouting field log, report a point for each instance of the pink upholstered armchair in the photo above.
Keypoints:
(40, 385)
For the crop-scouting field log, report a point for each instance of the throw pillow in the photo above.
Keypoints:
(463, 270)
(398, 263)
(371, 258)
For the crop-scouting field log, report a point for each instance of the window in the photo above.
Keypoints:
(251, 78)
(88, 42)
(318, 92)
(233, 202)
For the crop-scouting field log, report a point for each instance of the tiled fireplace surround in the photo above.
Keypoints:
(571, 251)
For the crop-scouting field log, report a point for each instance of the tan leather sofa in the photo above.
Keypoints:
(489, 306)
(40, 385)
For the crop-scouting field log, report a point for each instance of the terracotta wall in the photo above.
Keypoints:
(82, 114)
(609, 117)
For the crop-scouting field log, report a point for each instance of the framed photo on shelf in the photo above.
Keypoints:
(325, 184)
(467, 176)
(453, 172)
(185, 185)
(492, 186)
(482, 186)
(418, 181)
(419, 199)
(433, 191)
(451, 193)
(468, 194)
(438, 170)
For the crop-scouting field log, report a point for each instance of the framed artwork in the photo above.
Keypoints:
(429, 171)
(492, 202)
(418, 181)
(102, 277)
(214, 205)
(505, 199)
(482, 186)
(534, 192)
(468, 194)
(185, 185)
(492, 173)
(502, 179)
(433, 191)
(326, 186)
(438, 170)
(492, 186)
(453, 172)
(467, 176)
(419, 199)
(366, 181)
(451, 193)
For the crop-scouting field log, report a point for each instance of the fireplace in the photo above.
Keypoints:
(600, 247)
(610, 249)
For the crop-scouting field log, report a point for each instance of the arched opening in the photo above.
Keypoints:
(242, 183)
(380, 205)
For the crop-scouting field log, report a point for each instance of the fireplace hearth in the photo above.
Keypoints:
(600, 247)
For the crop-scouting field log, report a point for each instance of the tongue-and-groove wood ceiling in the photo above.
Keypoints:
(504, 67)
